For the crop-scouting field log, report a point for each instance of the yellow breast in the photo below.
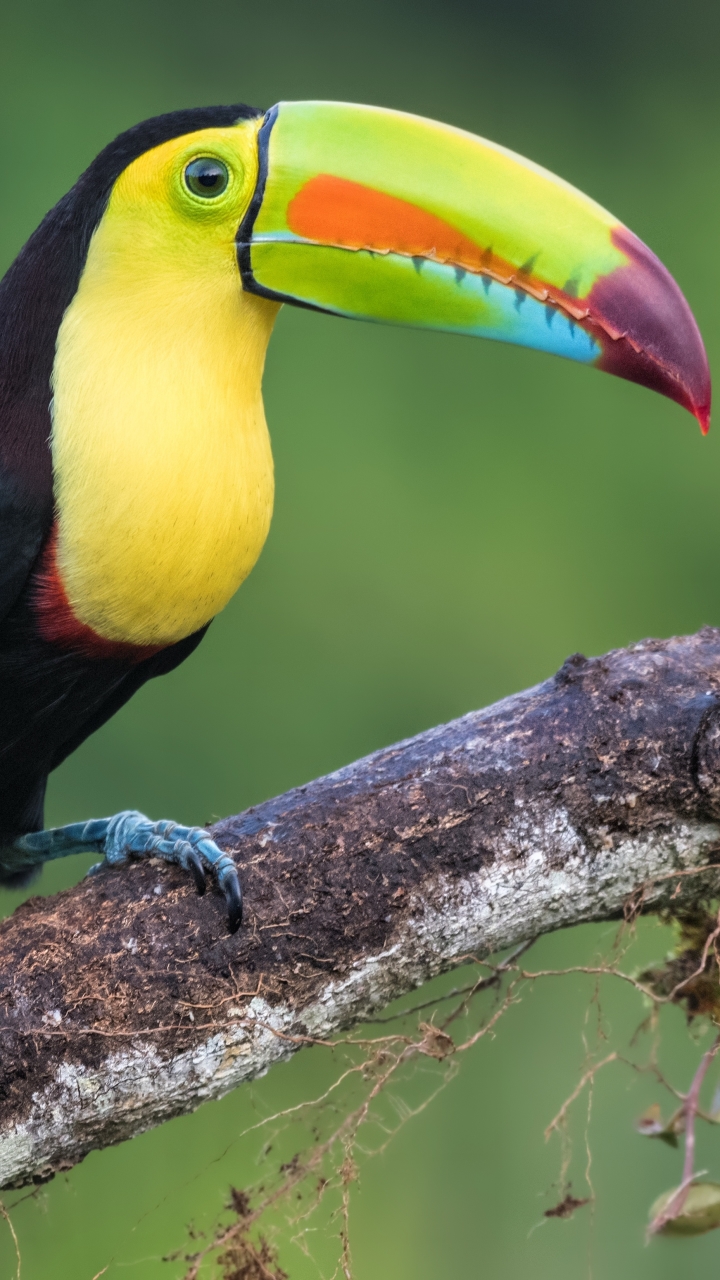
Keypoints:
(163, 469)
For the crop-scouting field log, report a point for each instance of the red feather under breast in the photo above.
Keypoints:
(58, 624)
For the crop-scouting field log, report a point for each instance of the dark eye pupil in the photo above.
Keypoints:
(206, 177)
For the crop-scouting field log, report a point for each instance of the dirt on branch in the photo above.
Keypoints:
(124, 1001)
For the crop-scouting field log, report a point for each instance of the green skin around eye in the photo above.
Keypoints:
(206, 177)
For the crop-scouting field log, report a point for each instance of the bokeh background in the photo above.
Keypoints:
(453, 518)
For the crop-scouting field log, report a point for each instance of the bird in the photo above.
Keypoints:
(136, 475)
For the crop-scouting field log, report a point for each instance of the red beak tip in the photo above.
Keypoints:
(702, 413)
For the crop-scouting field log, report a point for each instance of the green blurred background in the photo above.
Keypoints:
(453, 518)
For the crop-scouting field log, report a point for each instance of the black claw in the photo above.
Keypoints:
(198, 871)
(233, 897)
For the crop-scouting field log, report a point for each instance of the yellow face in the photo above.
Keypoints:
(163, 469)
(156, 214)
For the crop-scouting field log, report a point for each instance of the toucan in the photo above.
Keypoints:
(136, 477)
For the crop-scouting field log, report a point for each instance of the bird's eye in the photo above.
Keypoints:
(206, 177)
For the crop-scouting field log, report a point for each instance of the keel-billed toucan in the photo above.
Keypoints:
(136, 479)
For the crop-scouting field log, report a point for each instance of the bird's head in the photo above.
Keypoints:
(374, 214)
(142, 307)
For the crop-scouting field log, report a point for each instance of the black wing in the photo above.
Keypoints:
(28, 328)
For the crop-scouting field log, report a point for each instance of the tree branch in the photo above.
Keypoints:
(123, 1002)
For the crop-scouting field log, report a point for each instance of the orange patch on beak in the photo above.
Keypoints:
(335, 211)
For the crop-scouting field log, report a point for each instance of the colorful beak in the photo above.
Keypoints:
(378, 215)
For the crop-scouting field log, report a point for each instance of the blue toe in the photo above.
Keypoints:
(131, 834)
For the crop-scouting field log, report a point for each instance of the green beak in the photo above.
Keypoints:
(377, 215)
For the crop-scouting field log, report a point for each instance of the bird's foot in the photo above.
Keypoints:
(130, 835)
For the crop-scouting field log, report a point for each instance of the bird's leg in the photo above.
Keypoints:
(130, 835)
